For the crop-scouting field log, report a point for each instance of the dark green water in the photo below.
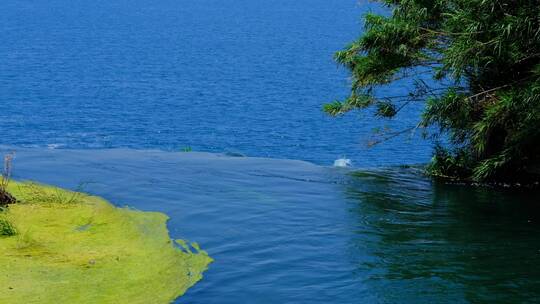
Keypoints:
(285, 231)
(435, 243)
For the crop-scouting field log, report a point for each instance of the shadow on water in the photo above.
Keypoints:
(285, 231)
(431, 242)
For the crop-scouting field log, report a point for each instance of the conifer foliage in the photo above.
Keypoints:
(484, 58)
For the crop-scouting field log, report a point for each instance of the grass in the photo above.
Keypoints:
(6, 229)
(60, 246)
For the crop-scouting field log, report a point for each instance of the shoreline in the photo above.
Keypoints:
(102, 253)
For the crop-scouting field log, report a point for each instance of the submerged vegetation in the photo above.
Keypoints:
(484, 96)
(60, 246)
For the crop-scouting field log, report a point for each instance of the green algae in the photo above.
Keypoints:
(68, 247)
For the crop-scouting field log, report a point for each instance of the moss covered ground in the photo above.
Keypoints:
(58, 246)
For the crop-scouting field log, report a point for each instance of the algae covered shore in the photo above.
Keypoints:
(59, 246)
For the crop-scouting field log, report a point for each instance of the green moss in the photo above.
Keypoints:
(73, 248)
(6, 229)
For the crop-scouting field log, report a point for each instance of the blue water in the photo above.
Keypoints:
(242, 76)
(106, 92)
(287, 231)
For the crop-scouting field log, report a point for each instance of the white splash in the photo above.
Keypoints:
(342, 162)
(53, 146)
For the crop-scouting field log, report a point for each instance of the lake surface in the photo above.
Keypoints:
(286, 231)
(106, 93)
(242, 76)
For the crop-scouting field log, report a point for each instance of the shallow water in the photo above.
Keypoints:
(284, 231)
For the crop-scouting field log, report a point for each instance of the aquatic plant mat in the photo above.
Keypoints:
(59, 246)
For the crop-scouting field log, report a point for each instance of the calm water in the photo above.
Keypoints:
(285, 231)
(138, 80)
(243, 76)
